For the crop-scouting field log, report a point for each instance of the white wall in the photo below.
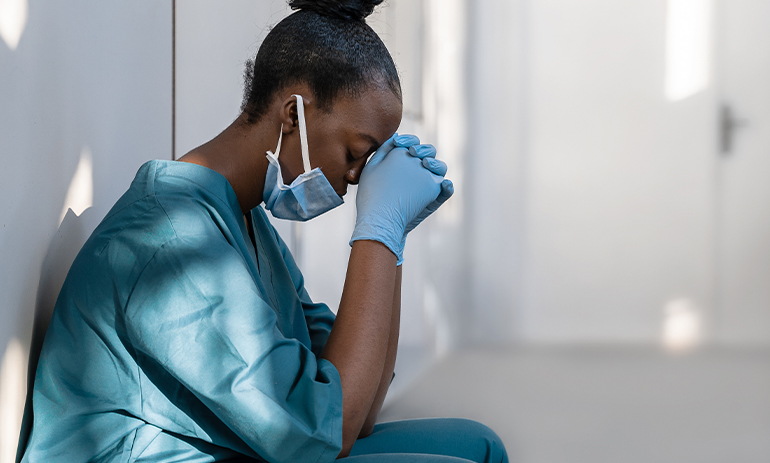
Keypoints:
(497, 169)
(620, 178)
(214, 40)
(85, 100)
(592, 191)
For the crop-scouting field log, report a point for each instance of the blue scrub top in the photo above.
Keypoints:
(173, 340)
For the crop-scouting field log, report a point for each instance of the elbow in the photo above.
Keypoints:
(351, 434)
(366, 429)
(347, 446)
(349, 437)
(344, 453)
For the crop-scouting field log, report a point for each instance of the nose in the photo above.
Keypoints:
(354, 175)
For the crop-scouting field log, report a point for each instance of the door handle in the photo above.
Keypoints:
(727, 125)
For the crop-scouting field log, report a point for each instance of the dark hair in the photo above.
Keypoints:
(326, 44)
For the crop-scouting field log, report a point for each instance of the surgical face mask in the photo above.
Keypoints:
(309, 195)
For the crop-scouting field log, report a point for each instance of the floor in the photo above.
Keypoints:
(602, 405)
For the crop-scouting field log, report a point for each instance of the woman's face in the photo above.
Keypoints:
(340, 141)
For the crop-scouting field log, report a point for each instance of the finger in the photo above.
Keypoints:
(447, 190)
(406, 140)
(434, 165)
(384, 149)
(423, 151)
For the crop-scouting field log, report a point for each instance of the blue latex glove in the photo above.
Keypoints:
(428, 154)
(394, 190)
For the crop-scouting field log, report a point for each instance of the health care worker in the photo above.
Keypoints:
(184, 333)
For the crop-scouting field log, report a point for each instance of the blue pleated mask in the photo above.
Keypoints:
(309, 195)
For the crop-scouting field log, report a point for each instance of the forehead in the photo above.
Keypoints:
(374, 111)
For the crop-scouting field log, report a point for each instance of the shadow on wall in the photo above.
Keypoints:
(64, 247)
(75, 79)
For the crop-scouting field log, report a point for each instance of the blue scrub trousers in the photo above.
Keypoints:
(428, 440)
(434, 440)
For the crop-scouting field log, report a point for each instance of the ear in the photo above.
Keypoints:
(288, 111)
(288, 114)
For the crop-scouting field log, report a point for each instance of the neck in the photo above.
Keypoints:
(238, 154)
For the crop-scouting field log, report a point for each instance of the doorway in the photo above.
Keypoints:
(743, 172)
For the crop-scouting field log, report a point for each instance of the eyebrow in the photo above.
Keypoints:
(374, 142)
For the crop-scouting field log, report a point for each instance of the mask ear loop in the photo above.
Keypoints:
(302, 133)
(278, 149)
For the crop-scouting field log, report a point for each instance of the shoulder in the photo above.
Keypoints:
(167, 214)
(169, 200)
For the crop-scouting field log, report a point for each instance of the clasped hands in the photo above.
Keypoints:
(401, 185)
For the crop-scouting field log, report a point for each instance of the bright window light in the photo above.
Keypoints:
(13, 385)
(687, 48)
(681, 325)
(80, 195)
(13, 20)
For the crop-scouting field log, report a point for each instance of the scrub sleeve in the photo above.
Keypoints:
(214, 343)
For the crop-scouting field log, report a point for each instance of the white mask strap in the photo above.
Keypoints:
(302, 133)
(278, 149)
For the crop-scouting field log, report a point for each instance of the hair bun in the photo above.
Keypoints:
(350, 10)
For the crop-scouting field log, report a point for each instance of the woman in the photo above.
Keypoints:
(183, 331)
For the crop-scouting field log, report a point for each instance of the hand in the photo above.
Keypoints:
(394, 190)
(428, 155)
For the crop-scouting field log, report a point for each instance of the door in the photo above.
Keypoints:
(619, 186)
(743, 179)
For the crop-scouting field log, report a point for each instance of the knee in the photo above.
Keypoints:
(489, 446)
